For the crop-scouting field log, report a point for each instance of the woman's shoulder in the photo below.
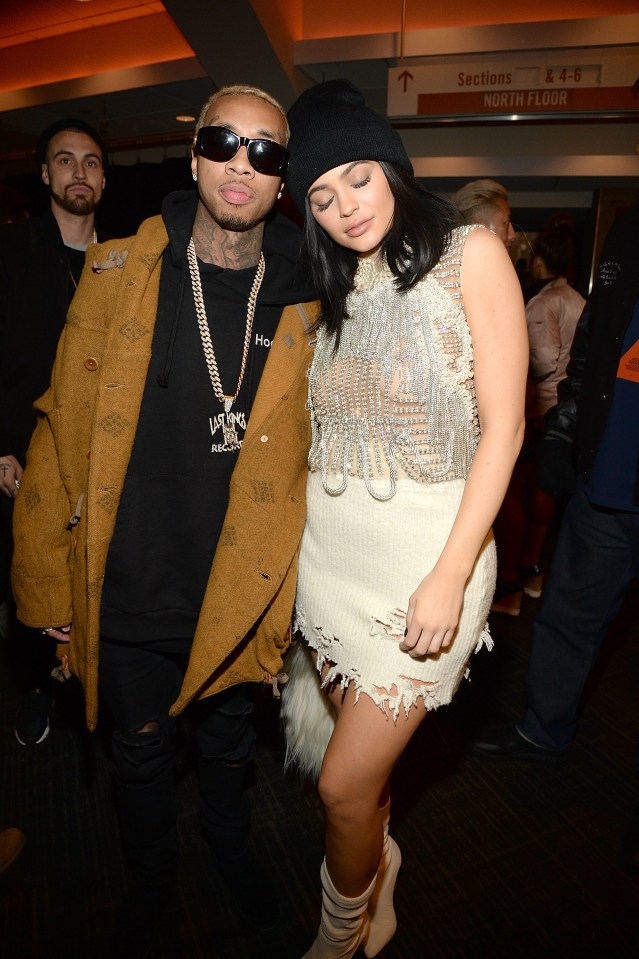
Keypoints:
(449, 263)
(459, 233)
(473, 235)
(482, 250)
(457, 241)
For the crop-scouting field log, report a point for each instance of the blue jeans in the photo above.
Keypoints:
(595, 561)
(139, 684)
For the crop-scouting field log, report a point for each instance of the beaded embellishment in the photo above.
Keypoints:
(397, 398)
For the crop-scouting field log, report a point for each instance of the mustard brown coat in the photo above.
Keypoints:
(78, 459)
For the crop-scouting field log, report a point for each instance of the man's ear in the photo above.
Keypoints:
(45, 174)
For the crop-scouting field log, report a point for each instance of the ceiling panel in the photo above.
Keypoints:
(147, 110)
(23, 21)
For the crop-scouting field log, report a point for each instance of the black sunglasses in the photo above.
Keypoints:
(220, 145)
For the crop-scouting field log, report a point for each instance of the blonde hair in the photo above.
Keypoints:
(240, 90)
(478, 200)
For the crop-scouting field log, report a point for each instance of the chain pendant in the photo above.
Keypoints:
(228, 420)
(228, 427)
(230, 435)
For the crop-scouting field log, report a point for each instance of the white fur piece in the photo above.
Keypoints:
(306, 713)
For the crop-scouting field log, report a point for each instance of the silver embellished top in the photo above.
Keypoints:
(397, 398)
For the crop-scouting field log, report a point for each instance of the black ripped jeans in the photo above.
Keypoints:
(139, 684)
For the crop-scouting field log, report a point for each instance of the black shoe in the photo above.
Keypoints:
(32, 726)
(505, 742)
(251, 888)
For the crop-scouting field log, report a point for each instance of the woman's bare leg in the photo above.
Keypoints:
(361, 755)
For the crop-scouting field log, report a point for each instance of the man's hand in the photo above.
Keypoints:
(10, 476)
(61, 635)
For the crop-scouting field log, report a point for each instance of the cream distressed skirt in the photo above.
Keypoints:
(360, 560)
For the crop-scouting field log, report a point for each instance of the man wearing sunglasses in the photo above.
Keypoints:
(159, 517)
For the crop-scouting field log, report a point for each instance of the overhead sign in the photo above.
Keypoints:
(584, 82)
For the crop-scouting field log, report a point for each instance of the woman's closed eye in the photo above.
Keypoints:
(324, 206)
(355, 186)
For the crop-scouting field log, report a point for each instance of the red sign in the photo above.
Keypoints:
(567, 100)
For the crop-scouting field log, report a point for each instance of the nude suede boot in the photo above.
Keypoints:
(344, 923)
(381, 912)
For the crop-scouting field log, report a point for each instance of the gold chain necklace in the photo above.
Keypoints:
(230, 433)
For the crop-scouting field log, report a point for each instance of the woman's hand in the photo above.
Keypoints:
(433, 614)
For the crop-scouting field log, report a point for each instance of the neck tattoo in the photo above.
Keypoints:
(231, 441)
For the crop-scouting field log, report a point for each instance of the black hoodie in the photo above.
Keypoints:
(177, 484)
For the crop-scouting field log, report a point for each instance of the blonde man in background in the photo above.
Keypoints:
(486, 201)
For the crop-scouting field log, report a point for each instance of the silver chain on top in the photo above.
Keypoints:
(202, 322)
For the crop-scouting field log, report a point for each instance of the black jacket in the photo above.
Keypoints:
(586, 394)
(35, 292)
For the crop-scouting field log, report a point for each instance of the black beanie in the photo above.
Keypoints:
(330, 125)
(69, 123)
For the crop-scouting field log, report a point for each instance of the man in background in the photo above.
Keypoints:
(596, 558)
(486, 201)
(41, 260)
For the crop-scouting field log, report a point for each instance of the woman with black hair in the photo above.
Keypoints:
(416, 395)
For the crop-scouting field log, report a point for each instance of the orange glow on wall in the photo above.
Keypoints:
(31, 20)
(24, 21)
(334, 18)
(47, 41)
(85, 52)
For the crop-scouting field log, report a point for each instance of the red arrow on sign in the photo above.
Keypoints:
(405, 76)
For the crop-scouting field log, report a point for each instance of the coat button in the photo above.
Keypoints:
(91, 364)
(264, 439)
